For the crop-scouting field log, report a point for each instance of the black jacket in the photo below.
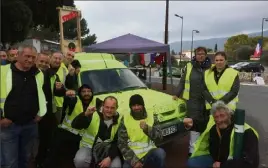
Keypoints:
(48, 90)
(21, 105)
(196, 103)
(219, 150)
(83, 122)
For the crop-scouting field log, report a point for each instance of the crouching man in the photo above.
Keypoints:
(99, 139)
(215, 146)
(137, 133)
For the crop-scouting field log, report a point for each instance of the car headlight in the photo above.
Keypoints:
(182, 108)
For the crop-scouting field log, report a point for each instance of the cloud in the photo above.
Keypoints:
(109, 19)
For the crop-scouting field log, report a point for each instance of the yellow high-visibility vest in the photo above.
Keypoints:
(224, 86)
(62, 73)
(186, 91)
(139, 142)
(67, 121)
(201, 146)
(89, 134)
(6, 86)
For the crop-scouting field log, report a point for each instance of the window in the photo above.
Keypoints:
(111, 80)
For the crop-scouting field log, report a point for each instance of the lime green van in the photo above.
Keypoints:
(107, 76)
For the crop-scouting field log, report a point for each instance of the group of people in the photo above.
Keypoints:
(47, 118)
(211, 95)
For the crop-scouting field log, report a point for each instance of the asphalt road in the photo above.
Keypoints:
(254, 99)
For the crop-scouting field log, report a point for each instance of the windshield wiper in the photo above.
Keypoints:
(134, 87)
(105, 92)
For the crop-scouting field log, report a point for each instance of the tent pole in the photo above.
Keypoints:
(164, 80)
(150, 72)
(170, 70)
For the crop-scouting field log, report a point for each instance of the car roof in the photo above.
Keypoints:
(97, 61)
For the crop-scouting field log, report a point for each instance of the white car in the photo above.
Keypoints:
(239, 64)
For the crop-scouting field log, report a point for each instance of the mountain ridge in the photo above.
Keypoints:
(209, 43)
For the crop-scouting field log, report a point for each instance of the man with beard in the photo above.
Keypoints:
(66, 140)
(100, 136)
(137, 133)
(215, 146)
(58, 73)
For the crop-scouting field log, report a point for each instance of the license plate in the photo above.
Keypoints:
(169, 130)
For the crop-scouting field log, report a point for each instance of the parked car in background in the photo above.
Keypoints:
(239, 64)
(249, 67)
(176, 72)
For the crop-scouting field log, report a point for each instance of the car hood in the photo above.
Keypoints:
(157, 102)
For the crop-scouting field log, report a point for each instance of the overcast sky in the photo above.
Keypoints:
(109, 19)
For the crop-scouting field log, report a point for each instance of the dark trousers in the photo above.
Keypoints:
(46, 127)
(155, 158)
(17, 143)
(64, 147)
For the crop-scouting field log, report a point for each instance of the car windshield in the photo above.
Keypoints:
(111, 80)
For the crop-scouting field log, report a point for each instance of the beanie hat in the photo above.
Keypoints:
(136, 99)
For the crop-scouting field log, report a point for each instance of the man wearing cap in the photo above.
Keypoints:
(137, 133)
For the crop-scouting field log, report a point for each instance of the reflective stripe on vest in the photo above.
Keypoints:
(6, 86)
(62, 73)
(231, 149)
(201, 146)
(224, 85)
(139, 142)
(89, 135)
(68, 119)
(186, 91)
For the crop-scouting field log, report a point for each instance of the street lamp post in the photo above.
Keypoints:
(196, 31)
(181, 32)
(262, 43)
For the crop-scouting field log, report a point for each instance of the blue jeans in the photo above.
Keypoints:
(205, 161)
(17, 142)
(155, 158)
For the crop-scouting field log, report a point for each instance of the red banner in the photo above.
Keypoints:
(69, 16)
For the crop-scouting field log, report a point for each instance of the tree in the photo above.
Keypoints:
(236, 41)
(43, 33)
(209, 50)
(70, 28)
(173, 52)
(45, 12)
(244, 52)
(174, 62)
(16, 21)
(216, 47)
(89, 40)
(18, 17)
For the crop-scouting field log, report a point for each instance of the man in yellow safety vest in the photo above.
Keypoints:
(22, 105)
(137, 133)
(215, 146)
(99, 139)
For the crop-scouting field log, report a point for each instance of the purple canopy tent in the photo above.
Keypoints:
(130, 43)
